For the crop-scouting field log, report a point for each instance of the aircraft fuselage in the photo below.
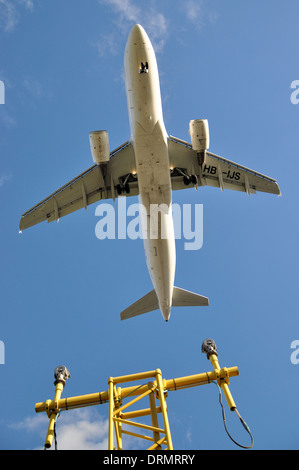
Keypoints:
(150, 141)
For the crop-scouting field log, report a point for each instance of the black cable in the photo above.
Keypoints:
(55, 436)
(246, 427)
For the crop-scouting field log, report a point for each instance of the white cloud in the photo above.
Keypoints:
(107, 44)
(78, 429)
(3, 179)
(27, 3)
(10, 13)
(193, 9)
(31, 424)
(82, 429)
(157, 26)
(126, 8)
(6, 119)
(128, 13)
(197, 13)
(33, 86)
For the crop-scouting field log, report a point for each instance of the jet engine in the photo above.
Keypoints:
(99, 146)
(200, 136)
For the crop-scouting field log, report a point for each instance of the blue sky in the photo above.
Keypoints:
(62, 289)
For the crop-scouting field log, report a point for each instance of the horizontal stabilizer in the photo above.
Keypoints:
(185, 298)
(148, 303)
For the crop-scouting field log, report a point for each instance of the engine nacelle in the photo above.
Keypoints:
(99, 146)
(200, 135)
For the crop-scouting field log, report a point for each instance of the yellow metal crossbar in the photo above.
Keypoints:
(155, 389)
(100, 398)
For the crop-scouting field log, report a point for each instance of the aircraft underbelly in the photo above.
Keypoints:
(160, 258)
(152, 164)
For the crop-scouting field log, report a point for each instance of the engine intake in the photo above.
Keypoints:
(200, 136)
(99, 146)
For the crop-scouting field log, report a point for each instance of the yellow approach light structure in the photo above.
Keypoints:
(154, 387)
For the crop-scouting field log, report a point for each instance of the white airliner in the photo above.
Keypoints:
(151, 164)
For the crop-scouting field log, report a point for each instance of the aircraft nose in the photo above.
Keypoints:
(137, 35)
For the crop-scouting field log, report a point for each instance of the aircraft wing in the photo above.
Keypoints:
(98, 182)
(214, 171)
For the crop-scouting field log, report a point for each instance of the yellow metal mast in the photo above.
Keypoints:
(153, 387)
(118, 418)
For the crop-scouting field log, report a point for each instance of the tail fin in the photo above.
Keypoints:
(148, 303)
